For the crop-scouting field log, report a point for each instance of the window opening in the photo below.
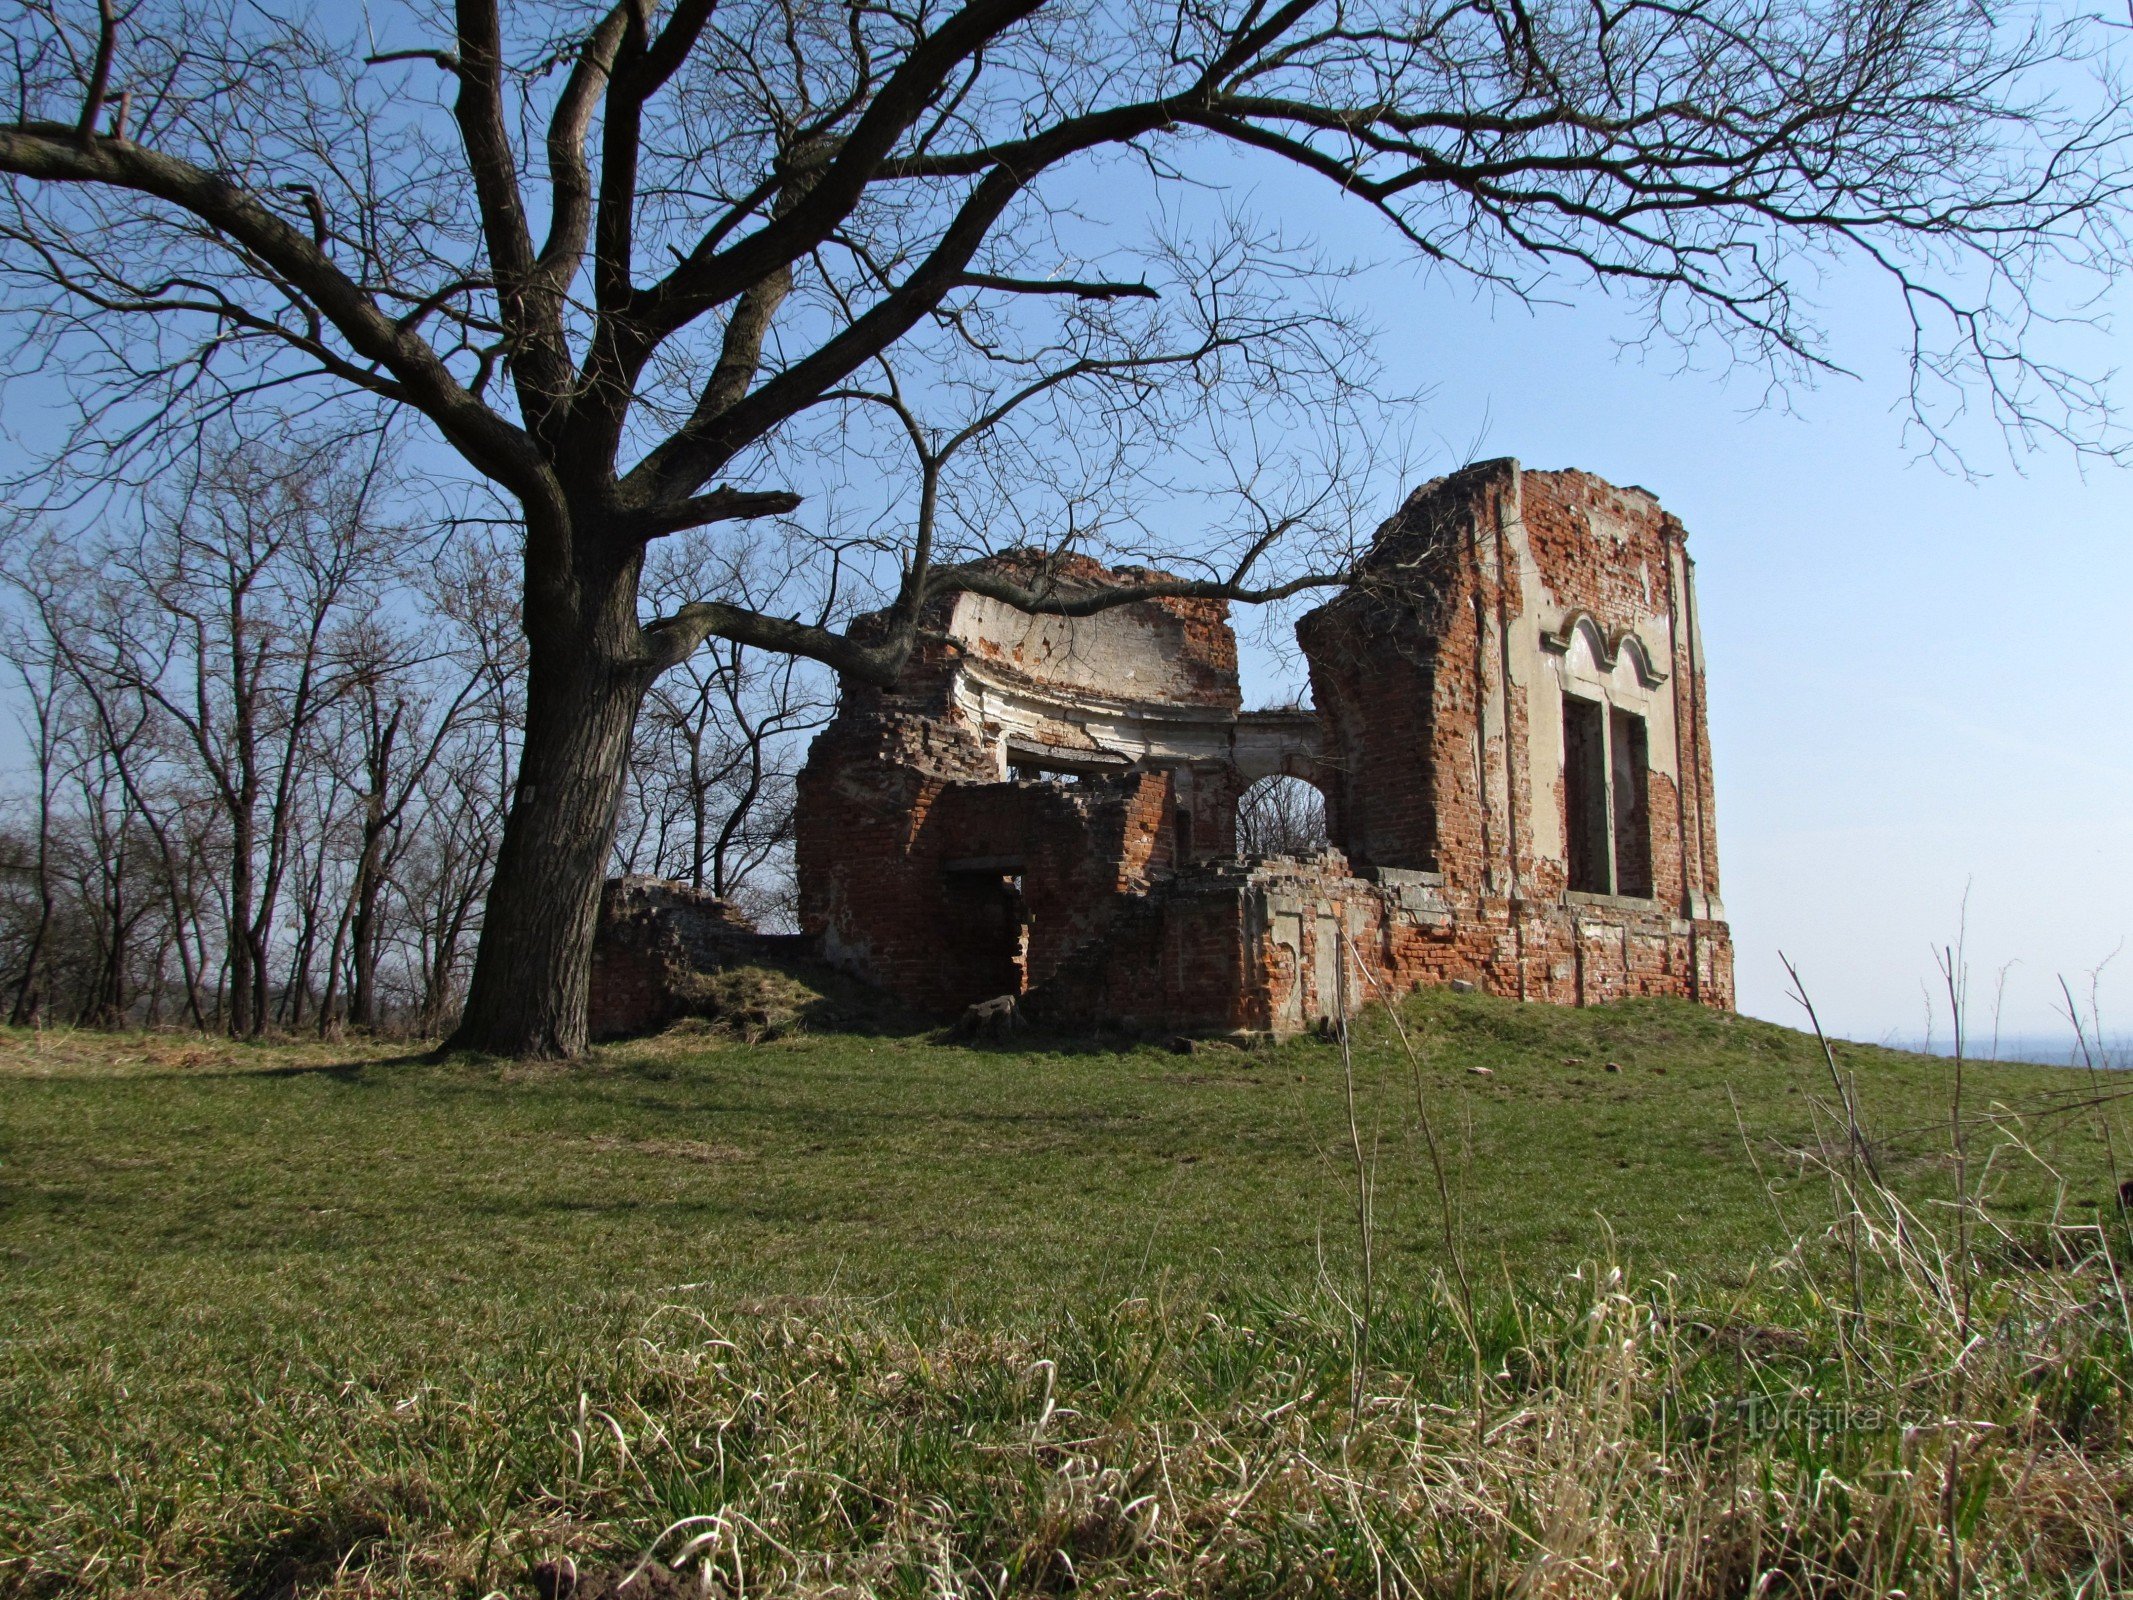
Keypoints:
(1585, 794)
(1632, 797)
(1281, 816)
(1065, 777)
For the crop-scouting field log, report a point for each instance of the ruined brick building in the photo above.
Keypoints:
(1509, 734)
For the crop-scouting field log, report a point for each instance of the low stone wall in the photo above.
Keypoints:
(652, 935)
(1258, 948)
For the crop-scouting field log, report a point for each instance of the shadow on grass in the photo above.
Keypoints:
(1040, 1039)
(339, 1071)
(324, 1542)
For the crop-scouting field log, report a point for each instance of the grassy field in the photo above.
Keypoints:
(294, 1319)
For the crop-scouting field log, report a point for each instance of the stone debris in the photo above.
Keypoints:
(654, 945)
(1509, 734)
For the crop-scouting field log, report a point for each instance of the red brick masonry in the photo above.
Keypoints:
(1510, 702)
(651, 933)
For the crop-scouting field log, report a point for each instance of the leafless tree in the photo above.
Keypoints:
(444, 854)
(409, 700)
(317, 832)
(1281, 816)
(644, 266)
(199, 651)
(218, 617)
(121, 844)
(719, 743)
(44, 720)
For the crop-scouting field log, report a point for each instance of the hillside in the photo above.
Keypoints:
(289, 1313)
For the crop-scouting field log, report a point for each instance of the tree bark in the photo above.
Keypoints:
(587, 678)
(336, 954)
(363, 948)
(109, 1007)
(28, 996)
(243, 980)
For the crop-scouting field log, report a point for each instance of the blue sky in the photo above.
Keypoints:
(1920, 685)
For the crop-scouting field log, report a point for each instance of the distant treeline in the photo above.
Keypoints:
(269, 731)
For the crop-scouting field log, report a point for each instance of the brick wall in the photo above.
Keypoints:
(652, 933)
(1439, 680)
(1430, 677)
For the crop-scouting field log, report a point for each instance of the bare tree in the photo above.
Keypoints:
(444, 857)
(443, 875)
(1281, 816)
(316, 828)
(719, 743)
(44, 721)
(409, 701)
(106, 875)
(204, 639)
(233, 596)
(738, 223)
(120, 841)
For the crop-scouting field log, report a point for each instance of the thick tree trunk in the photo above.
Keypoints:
(533, 966)
(363, 919)
(243, 979)
(363, 958)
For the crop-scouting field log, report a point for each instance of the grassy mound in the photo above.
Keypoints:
(869, 1315)
(753, 1004)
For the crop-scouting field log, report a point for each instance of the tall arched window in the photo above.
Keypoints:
(1607, 798)
(1607, 689)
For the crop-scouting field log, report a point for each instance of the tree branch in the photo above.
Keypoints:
(51, 152)
(541, 365)
(720, 505)
(1083, 289)
(100, 72)
(672, 639)
(569, 174)
(702, 281)
(995, 585)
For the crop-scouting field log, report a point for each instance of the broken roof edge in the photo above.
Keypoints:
(1069, 575)
(1001, 687)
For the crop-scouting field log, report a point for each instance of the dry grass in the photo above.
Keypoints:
(1613, 1440)
(78, 1052)
(1864, 1401)
(752, 1004)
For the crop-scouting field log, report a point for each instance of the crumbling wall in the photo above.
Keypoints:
(1491, 598)
(1166, 652)
(961, 834)
(1257, 947)
(1046, 806)
(651, 936)
(1374, 682)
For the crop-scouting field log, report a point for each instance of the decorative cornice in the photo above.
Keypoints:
(997, 678)
(1606, 647)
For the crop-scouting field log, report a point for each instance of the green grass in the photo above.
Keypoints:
(323, 1314)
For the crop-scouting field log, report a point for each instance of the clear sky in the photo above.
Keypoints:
(1919, 685)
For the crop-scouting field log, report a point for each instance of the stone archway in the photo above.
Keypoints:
(1281, 815)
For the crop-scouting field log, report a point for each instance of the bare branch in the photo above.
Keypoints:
(50, 152)
(100, 73)
(1070, 286)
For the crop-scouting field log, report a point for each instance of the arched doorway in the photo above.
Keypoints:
(1281, 816)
